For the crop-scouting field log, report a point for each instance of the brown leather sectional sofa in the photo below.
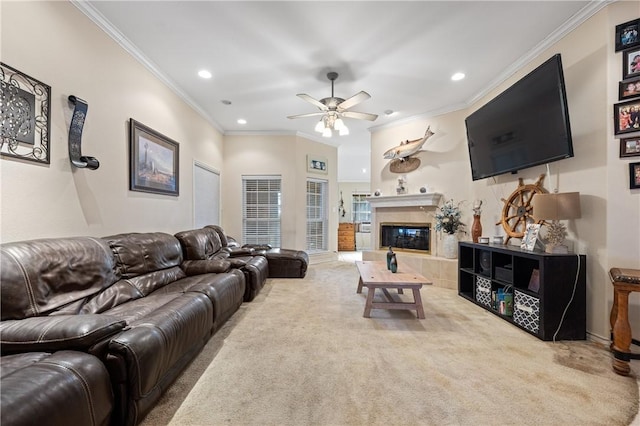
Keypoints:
(111, 321)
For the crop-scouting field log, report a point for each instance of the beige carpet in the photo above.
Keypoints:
(302, 354)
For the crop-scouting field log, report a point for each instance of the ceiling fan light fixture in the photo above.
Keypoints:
(333, 108)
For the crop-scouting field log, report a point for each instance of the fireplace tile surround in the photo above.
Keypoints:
(412, 208)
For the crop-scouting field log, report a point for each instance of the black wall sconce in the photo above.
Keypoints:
(75, 136)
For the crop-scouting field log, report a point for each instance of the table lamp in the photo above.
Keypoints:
(556, 207)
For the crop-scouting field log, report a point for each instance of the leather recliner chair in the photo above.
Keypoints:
(202, 246)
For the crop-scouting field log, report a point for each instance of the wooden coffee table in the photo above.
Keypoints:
(374, 274)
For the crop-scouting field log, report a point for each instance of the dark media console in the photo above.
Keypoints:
(528, 289)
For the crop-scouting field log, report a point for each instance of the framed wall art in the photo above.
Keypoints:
(626, 117)
(316, 164)
(634, 175)
(629, 88)
(25, 116)
(154, 161)
(631, 63)
(627, 35)
(630, 147)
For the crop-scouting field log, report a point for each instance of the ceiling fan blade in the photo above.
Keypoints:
(311, 114)
(359, 115)
(354, 100)
(313, 101)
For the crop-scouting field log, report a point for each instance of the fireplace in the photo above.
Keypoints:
(409, 209)
(406, 236)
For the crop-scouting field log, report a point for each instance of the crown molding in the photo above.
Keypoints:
(105, 25)
(576, 20)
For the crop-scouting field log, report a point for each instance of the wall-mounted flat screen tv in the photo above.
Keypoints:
(524, 126)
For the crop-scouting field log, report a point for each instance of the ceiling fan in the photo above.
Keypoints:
(333, 109)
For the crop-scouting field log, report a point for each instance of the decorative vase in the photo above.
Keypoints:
(390, 254)
(450, 246)
(476, 228)
(393, 263)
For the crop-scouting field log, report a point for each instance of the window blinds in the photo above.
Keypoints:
(317, 222)
(261, 209)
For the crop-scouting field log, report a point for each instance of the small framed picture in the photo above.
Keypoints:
(629, 88)
(316, 164)
(530, 236)
(631, 63)
(627, 35)
(153, 162)
(626, 117)
(630, 147)
(634, 175)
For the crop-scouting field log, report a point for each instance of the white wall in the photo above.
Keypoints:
(609, 230)
(278, 155)
(354, 163)
(58, 45)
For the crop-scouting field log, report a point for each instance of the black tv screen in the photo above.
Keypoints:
(524, 126)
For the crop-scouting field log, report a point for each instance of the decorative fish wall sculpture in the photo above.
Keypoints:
(407, 148)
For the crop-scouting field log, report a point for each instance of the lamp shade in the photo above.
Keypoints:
(557, 206)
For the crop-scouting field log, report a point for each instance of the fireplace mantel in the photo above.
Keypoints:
(401, 209)
(407, 200)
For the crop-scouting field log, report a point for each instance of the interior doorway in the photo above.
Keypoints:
(206, 195)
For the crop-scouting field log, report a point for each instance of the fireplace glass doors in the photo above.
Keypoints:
(406, 236)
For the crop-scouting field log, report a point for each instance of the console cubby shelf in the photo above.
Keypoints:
(537, 305)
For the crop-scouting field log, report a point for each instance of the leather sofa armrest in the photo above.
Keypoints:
(257, 246)
(239, 251)
(198, 267)
(57, 332)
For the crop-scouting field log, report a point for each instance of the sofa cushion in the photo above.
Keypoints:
(199, 244)
(40, 276)
(140, 253)
(197, 267)
(52, 333)
(166, 332)
(65, 388)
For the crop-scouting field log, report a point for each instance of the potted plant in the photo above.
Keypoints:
(448, 222)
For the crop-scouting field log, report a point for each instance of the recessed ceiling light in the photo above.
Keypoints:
(364, 170)
(389, 112)
(204, 74)
(457, 76)
(242, 121)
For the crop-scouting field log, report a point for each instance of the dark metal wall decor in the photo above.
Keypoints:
(75, 136)
(24, 114)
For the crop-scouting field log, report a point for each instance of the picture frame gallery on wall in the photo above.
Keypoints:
(26, 119)
(154, 161)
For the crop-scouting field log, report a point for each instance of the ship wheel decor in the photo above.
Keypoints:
(518, 211)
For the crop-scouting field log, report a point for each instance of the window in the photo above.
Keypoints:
(261, 208)
(360, 207)
(317, 222)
